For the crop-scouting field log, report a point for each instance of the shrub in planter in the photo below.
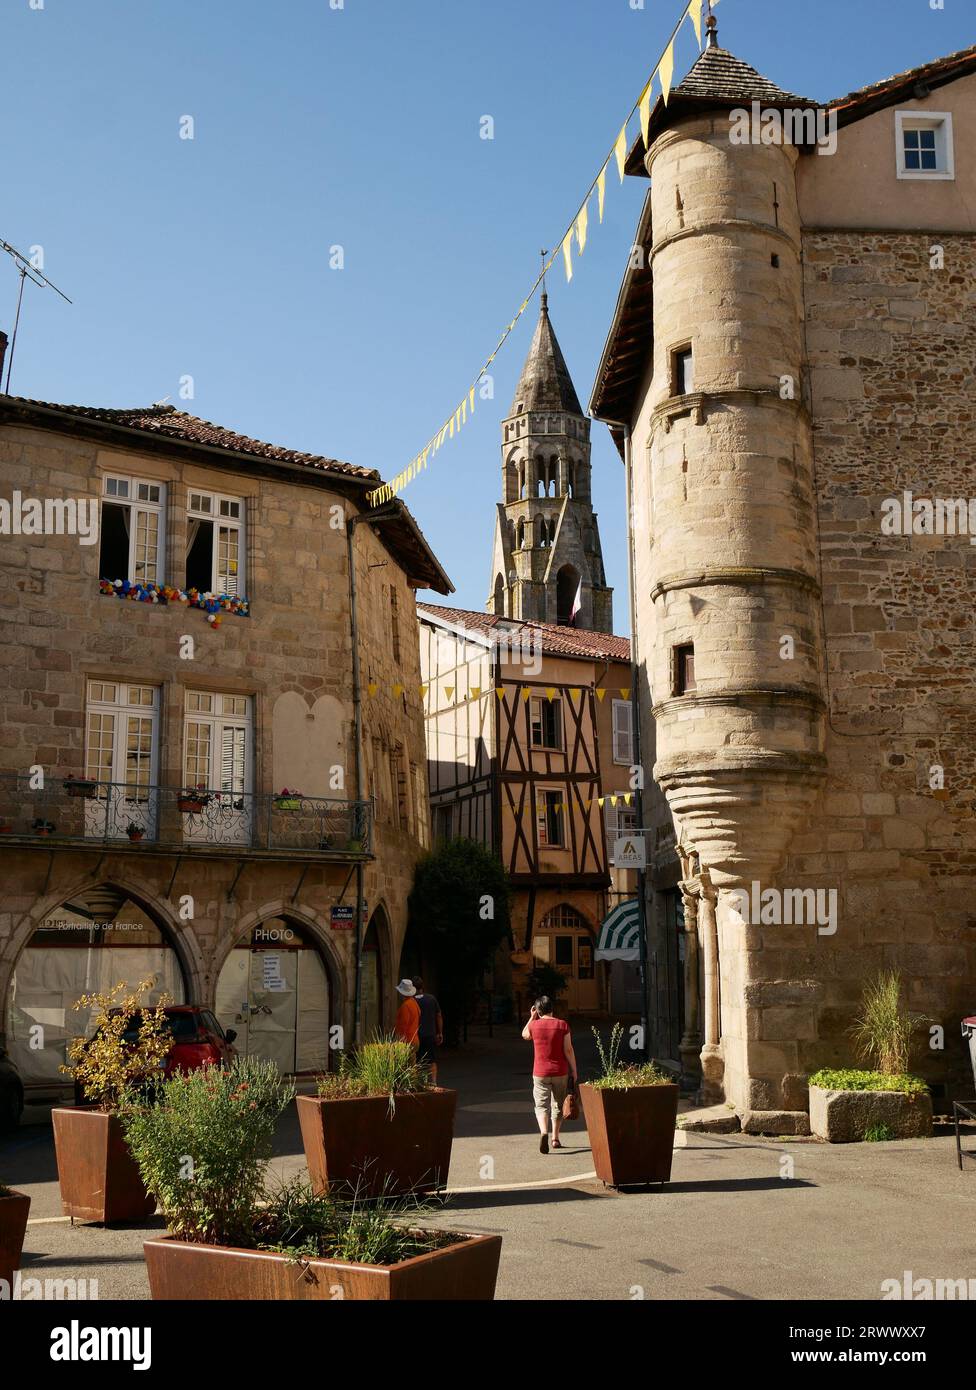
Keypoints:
(848, 1104)
(203, 1151)
(98, 1177)
(80, 786)
(192, 800)
(630, 1112)
(14, 1207)
(288, 800)
(377, 1124)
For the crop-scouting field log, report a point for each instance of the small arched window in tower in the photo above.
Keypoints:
(682, 371)
(521, 479)
(545, 540)
(499, 596)
(520, 534)
(568, 596)
(683, 669)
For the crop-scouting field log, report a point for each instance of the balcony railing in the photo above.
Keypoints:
(82, 812)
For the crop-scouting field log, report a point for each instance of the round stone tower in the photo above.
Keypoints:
(736, 657)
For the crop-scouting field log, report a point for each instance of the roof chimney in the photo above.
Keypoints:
(3, 353)
(711, 24)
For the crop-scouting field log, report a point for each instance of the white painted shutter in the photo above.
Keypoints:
(233, 758)
(623, 726)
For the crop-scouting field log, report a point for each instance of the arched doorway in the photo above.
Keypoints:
(85, 946)
(567, 587)
(275, 990)
(371, 1014)
(564, 940)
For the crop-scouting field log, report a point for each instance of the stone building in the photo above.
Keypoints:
(181, 793)
(789, 372)
(530, 751)
(547, 565)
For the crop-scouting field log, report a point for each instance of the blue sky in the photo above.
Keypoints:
(358, 127)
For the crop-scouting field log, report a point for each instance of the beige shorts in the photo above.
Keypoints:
(549, 1092)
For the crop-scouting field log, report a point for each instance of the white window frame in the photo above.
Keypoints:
(219, 719)
(138, 506)
(230, 583)
(138, 800)
(542, 825)
(941, 123)
(536, 718)
(623, 737)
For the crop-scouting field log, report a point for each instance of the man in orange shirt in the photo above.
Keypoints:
(407, 1025)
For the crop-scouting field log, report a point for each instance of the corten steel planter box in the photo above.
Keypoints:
(182, 1271)
(841, 1117)
(99, 1177)
(14, 1207)
(631, 1132)
(361, 1143)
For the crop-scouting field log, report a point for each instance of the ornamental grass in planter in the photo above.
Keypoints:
(203, 1151)
(378, 1125)
(630, 1111)
(14, 1207)
(98, 1177)
(885, 1101)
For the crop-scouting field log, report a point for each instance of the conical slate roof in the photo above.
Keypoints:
(719, 75)
(545, 383)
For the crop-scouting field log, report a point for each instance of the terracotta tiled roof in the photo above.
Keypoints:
(170, 423)
(935, 73)
(556, 641)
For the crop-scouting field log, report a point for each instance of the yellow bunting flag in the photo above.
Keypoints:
(550, 692)
(600, 694)
(625, 694)
(471, 400)
(613, 800)
(601, 188)
(568, 255)
(500, 691)
(526, 693)
(665, 70)
(475, 691)
(694, 14)
(423, 691)
(644, 106)
(576, 693)
(628, 798)
(600, 800)
(620, 150)
(581, 225)
(371, 689)
(449, 690)
(398, 690)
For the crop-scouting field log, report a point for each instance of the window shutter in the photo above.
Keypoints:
(233, 751)
(623, 742)
(540, 818)
(228, 559)
(610, 813)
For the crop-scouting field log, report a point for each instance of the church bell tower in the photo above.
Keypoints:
(547, 565)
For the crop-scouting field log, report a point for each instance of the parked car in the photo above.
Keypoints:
(198, 1041)
(11, 1093)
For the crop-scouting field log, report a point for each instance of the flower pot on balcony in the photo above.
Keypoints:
(14, 1207)
(382, 1148)
(179, 1270)
(354, 846)
(135, 835)
(631, 1131)
(80, 786)
(288, 803)
(191, 806)
(98, 1176)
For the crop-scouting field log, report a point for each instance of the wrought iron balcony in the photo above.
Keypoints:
(81, 812)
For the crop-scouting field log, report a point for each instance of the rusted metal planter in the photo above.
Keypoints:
(99, 1177)
(14, 1207)
(365, 1144)
(182, 1271)
(631, 1132)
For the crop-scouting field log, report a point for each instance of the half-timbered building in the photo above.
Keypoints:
(530, 751)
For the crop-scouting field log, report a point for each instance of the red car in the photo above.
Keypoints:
(198, 1041)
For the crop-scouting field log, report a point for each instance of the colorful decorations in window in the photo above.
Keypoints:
(214, 605)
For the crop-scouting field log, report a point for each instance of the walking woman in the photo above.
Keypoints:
(554, 1062)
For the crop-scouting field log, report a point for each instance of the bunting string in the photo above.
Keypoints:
(577, 229)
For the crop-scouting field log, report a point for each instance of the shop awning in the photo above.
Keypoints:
(620, 933)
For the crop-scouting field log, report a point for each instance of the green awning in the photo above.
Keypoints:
(620, 933)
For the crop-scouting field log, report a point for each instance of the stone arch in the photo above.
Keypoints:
(499, 596)
(306, 917)
(520, 534)
(567, 584)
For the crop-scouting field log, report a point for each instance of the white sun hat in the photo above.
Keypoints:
(405, 987)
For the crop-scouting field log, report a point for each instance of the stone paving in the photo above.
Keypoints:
(743, 1217)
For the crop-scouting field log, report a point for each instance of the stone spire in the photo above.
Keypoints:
(545, 383)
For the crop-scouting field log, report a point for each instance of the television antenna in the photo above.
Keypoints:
(26, 272)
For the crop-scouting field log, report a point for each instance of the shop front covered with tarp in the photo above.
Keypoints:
(86, 946)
